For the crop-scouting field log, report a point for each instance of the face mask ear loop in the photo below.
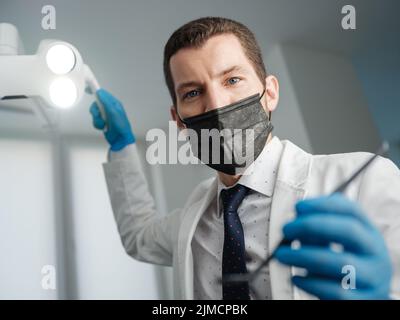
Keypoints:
(262, 94)
(269, 113)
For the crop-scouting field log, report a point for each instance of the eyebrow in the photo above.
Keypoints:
(196, 84)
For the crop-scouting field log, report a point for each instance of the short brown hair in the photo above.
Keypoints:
(195, 33)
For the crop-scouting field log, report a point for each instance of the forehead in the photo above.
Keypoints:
(218, 53)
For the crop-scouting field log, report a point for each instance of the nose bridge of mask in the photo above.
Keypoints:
(220, 111)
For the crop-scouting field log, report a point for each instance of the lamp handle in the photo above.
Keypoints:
(93, 85)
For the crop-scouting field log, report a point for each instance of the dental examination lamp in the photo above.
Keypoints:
(56, 74)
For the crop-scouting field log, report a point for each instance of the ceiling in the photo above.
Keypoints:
(123, 42)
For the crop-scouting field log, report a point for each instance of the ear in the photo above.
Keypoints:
(271, 92)
(175, 117)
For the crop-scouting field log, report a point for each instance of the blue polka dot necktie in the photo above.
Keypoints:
(233, 257)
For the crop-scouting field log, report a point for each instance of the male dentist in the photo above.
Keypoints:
(216, 77)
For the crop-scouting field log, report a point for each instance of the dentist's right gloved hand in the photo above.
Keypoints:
(119, 133)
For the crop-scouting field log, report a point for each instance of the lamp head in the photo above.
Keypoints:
(56, 74)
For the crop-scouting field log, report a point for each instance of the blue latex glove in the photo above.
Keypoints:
(335, 219)
(119, 133)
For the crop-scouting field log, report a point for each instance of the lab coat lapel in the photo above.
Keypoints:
(186, 232)
(293, 172)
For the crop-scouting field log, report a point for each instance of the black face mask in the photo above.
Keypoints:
(230, 153)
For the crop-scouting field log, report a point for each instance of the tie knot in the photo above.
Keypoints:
(232, 198)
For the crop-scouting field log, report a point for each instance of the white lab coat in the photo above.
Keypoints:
(166, 240)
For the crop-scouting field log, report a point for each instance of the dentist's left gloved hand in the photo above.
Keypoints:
(335, 219)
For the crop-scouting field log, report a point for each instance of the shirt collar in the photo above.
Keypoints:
(261, 175)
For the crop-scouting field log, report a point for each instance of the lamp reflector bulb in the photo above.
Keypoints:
(60, 59)
(63, 92)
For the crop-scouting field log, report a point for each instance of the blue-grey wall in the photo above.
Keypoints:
(379, 71)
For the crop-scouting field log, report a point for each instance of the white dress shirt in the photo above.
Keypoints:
(254, 211)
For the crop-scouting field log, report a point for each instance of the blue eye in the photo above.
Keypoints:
(191, 94)
(233, 80)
